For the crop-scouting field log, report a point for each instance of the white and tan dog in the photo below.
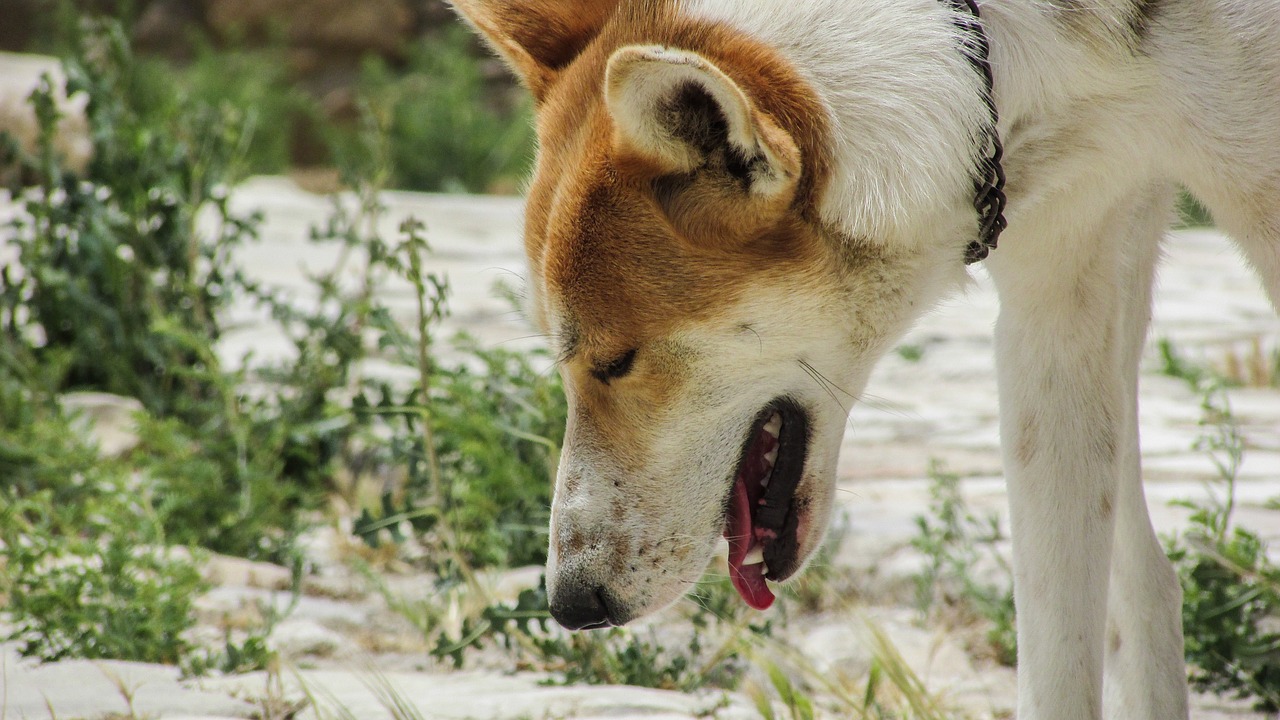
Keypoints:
(739, 201)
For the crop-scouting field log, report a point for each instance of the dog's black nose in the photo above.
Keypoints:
(581, 608)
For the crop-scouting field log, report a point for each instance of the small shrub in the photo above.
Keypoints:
(108, 589)
(955, 542)
(113, 270)
(119, 289)
(1231, 589)
(445, 136)
(478, 442)
(253, 88)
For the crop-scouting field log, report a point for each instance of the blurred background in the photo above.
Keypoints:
(310, 70)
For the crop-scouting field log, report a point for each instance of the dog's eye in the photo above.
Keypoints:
(616, 368)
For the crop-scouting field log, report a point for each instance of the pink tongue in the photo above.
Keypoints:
(748, 580)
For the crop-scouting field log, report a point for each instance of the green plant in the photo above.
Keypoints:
(890, 670)
(121, 289)
(910, 353)
(445, 136)
(246, 649)
(1231, 589)
(954, 542)
(1174, 365)
(793, 699)
(252, 87)
(1191, 213)
(478, 442)
(1253, 366)
(110, 591)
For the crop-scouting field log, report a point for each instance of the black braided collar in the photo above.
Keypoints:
(988, 184)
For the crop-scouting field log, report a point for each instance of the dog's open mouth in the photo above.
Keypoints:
(761, 524)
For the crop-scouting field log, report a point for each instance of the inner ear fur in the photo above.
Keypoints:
(537, 38)
(720, 167)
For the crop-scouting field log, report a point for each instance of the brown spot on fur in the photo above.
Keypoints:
(620, 554)
(1106, 441)
(1028, 440)
(574, 544)
(1128, 32)
(1115, 641)
(1107, 504)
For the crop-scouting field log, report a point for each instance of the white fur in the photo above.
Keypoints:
(877, 64)
(1097, 129)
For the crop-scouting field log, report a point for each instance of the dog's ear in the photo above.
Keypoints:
(679, 112)
(723, 170)
(538, 38)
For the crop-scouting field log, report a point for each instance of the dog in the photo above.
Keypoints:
(736, 202)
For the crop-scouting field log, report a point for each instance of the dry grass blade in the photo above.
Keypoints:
(331, 708)
(390, 697)
(891, 689)
(910, 689)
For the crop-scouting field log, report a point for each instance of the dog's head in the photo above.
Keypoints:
(713, 328)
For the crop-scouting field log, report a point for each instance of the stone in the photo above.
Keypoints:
(225, 570)
(20, 75)
(302, 637)
(90, 689)
(110, 421)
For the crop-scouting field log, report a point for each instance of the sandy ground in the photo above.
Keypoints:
(940, 407)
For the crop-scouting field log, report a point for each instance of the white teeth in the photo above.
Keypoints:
(771, 456)
(764, 482)
(774, 425)
(755, 556)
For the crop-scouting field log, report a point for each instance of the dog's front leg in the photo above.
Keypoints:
(1060, 350)
(1146, 676)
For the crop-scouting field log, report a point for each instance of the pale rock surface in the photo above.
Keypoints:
(487, 695)
(90, 689)
(20, 75)
(109, 421)
(233, 571)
